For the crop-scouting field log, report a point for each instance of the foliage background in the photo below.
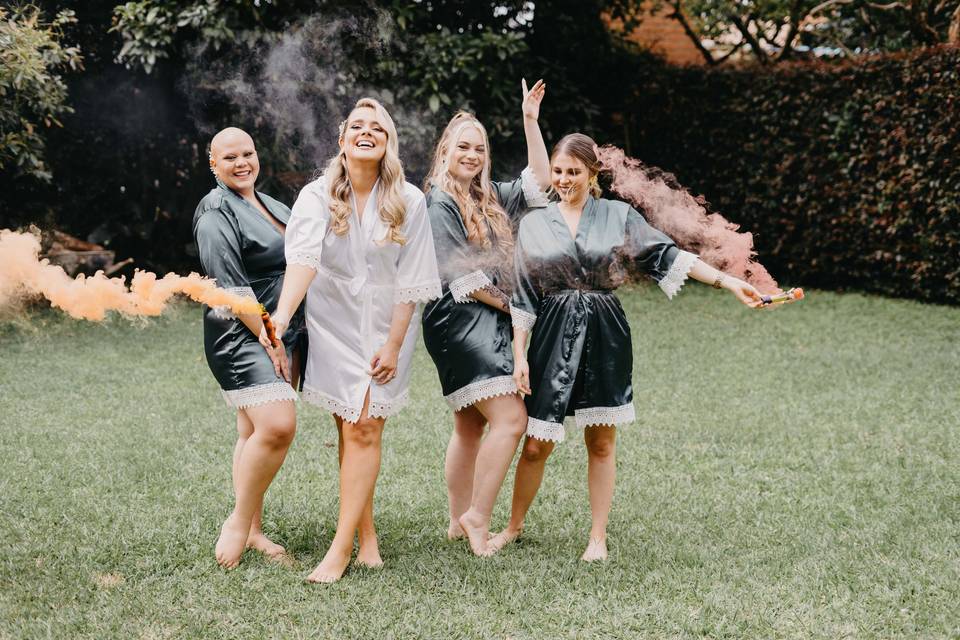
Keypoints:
(845, 171)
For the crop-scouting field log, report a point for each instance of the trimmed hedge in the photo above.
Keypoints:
(848, 174)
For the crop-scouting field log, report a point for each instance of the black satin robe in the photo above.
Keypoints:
(243, 250)
(471, 342)
(580, 353)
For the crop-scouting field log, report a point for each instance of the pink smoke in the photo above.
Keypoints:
(682, 217)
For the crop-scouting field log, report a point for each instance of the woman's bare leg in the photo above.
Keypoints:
(601, 443)
(533, 458)
(358, 477)
(256, 539)
(368, 553)
(460, 462)
(256, 462)
(508, 420)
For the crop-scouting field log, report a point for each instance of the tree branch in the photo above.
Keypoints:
(679, 16)
(751, 40)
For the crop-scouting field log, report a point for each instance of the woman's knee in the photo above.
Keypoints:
(278, 432)
(536, 450)
(364, 433)
(601, 441)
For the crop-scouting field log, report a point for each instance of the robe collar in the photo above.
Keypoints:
(574, 245)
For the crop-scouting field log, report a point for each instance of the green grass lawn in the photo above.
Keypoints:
(792, 474)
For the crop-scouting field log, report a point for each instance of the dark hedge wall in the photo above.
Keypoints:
(848, 175)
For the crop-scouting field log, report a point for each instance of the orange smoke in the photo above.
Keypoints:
(682, 217)
(22, 274)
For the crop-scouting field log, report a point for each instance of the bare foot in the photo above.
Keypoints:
(478, 533)
(231, 542)
(331, 568)
(502, 539)
(455, 531)
(369, 558)
(596, 550)
(273, 551)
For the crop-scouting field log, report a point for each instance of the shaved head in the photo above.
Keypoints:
(233, 159)
(228, 137)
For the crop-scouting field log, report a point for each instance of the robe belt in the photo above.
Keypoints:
(569, 292)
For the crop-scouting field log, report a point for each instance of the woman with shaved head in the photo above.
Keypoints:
(360, 242)
(240, 238)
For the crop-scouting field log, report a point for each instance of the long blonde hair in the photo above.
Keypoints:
(478, 205)
(392, 208)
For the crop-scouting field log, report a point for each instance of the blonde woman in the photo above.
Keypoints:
(359, 240)
(467, 331)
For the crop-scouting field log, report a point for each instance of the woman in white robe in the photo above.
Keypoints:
(359, 242)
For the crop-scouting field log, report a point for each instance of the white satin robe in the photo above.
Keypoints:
(350, 301)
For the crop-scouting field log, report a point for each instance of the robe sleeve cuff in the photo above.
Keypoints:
(223, 311)
(677, 274)
(462, 287)
(305, 259)
(522, 319)
(424, 292)
(532, 193)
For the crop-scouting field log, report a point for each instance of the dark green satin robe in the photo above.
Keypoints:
(469, 341)
(580, 353)
(244, 252)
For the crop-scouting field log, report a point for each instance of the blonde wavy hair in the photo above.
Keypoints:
(477, 204)
(390, 203)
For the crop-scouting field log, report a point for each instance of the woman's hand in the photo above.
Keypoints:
(521, 374)
(744, 291)
(383, 365)
(278, 355)
(532, 98)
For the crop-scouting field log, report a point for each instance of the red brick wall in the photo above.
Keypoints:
(663, 35)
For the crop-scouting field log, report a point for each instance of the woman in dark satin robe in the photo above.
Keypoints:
(570, 257)
(467, 331)
(239, 236)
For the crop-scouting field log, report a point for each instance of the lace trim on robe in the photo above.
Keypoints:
(418, 293)
(544, 430)
(223, 311)
(305, 259)
(605, 415)
(521, 319)
(390, 407)
(259, 394)
(532, 192)
(481, 390)
(375, 410)
(677, 275)
(462, 287)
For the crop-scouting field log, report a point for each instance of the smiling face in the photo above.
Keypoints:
(233, 159)
(364, 137)
(468, 155)
(570, 178)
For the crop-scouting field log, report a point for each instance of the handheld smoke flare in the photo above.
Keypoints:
(268, 327)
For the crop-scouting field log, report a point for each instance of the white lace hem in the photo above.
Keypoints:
(351, 414)
(418, 293)
(304, 259)
(544, 430)
(532, 192)
(605, 415)
(677, 275)
(462, 287)
(259, 394)
(481, 390)
(521, 319)
(223, 311)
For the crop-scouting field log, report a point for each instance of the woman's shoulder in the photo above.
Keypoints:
(537, 216)
(411, 194)
(213, 209)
